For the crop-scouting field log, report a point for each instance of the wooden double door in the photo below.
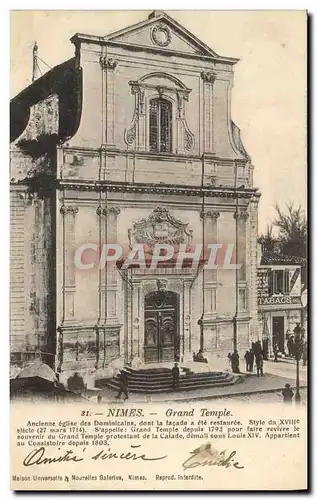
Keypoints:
(161, 327)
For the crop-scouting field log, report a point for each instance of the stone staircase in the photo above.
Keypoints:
(157, 380)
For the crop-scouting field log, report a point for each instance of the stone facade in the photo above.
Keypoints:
(84, 171)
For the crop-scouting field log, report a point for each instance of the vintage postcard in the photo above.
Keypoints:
(158, 290)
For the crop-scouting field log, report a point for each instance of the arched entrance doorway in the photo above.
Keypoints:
(161, 327)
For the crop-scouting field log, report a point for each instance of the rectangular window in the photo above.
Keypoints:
(154, 124)
(286, 282)
(278, 282)
(160, 125)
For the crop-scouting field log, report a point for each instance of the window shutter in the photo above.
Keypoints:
(154, 125)
(166, 126)
(160, 126)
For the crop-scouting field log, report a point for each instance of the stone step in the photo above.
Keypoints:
(156, 380)
(168, 377)
(183, 380)
(181, 387)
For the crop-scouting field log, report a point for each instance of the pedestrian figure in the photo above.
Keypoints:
(123, 385)
(257, 349)
(76, 384)
(247, 361)
(229, 359)
(265, 349)
(200, 357)
(259, 364)
(175, 375)
(275, 350)
(251, 360)
(290, 346)
(235, 361)
(287, 394)
(298, 330)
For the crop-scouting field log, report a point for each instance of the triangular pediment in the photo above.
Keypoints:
(160, 31)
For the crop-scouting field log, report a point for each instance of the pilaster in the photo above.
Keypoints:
(208, 78)
(69, 213)
(108, 67)
(210, 221)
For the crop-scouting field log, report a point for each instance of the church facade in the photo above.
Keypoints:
(130, 142)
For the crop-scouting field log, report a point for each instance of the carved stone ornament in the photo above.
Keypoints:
(243, 215)
(189, 139)
(160, 228)
(208, 76)
(108, 211)
(69, 209)
(161, 35)
(130, 131)
(107, 63)
(209, 214)
(161, 284)
(139, 90)
(130, 135)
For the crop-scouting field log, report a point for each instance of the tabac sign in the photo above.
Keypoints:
(278, 300)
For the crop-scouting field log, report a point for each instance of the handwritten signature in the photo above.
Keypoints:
(39, 457)
(207, 455)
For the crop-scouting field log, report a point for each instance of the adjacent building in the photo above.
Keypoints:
(280, 290)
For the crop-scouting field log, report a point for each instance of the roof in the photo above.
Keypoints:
(126, 37)
(276, 259)
(64, 80)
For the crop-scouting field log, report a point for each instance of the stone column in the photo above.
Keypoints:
(210, 221)
(110, 320)
(208, 78)
(69, 287)
(111, 268)
(186, 347)
(210, 277)
(108, 66)
(128, 323)
(241, 217)
(252, 266)
(101, 212)
(136, 303)
(241, 332)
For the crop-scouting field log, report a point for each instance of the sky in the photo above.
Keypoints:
(269, 94)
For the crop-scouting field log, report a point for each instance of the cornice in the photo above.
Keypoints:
(80, 38)
(121, 187)
(152, 155)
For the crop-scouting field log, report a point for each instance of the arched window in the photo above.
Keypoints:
(160, 125)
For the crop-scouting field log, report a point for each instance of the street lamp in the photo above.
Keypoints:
(298, 355)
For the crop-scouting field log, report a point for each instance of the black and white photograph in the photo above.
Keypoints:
(158, 236)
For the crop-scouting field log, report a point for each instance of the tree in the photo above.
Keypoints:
(292, 226)
(267, 240)
(291, 237)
